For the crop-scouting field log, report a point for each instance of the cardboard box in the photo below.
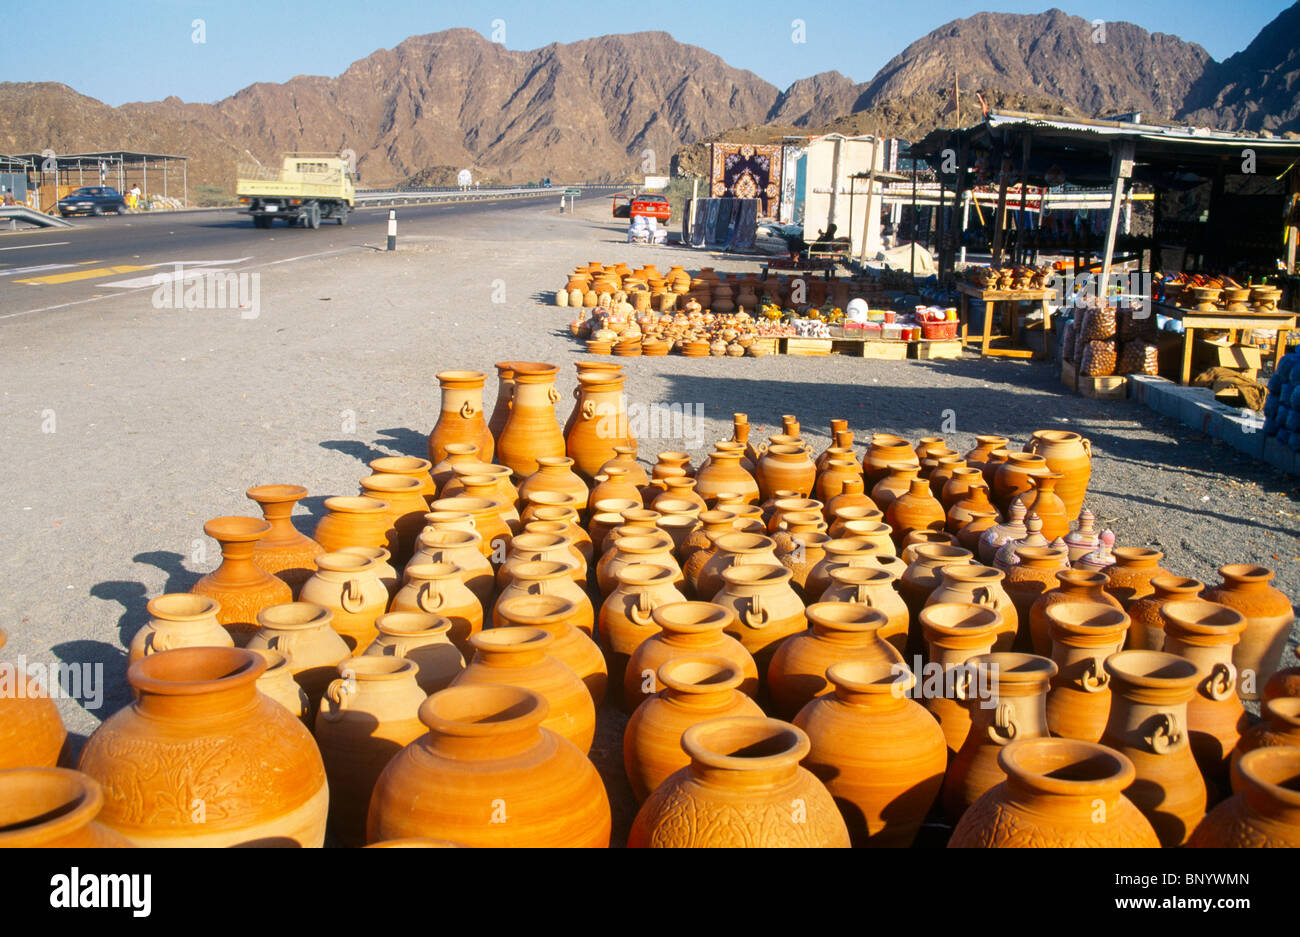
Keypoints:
(1220, 353)
(1069, 375)
(1111, 387)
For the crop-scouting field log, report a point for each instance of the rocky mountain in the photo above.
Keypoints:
(812, 101)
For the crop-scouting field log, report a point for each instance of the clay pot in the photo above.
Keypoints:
(1147, 631)
(916, 538)
(838, 632)
(624, 458)
(852, 498)
(695, 689)
(1083, 635)
(733, 549)
(546, 577)
(461, 418)
(1043, 501)
(1008, 702)
(31, 731)
(506, 389)
(841, 517)
(178, 619)
(520, 657)
(1130, 577)
(970, 533)
(1031, 578)
(1148, 724)
(922, 577)
(404, 496)
(1012, 478)
(53, 808)
(1073, 585)
(383, 568)
(615, 486)
(283, 551)
(410, 466)
(538, 547)
(744, 772)
(894, 485)
(601, 423)
(672, 465)
(652, 547)
(572, 647)
(786, 468)
(884, 450)
(367, 716)
(995, 461)
(978, 585)
(723, 474)
(487, 486)
(998, 535)
(301, 632)
(562, 520)
(1069, 455)
(201, 759)
(1267, 810)
(1283, 683)
(354, 522)
(489, 756)
(964, 494)
(944, 470)
(778, 508)
(459, 455)
(984, 445)
(422, 639)
(626, 616)
(685, 629)
(1281, 727)
(1206, 634)
(437, 589)
(1269, 617)
(240, 587)
(767, 608)
(462, 549)
(872, 588)
(915, 510)
(494, 532)
(349, 586)
(1054, 792)
(555, 473)
(954, 634)
(675, 492)
(531, 431)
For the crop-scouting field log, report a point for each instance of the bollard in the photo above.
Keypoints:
(392, 229)
(561, 203)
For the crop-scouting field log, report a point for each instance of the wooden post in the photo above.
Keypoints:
(1024, 196)
(1121, 169)
(835, 183)
(1004, 176)
(1293, 222)
(871, 192)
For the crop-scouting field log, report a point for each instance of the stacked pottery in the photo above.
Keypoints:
(437, 589)
(1265, 813)
(555, 616)
(1083, 635)
(872, 588)
(282, 550)
(1268, 615)
(31, 731)
(53, 808)
(685, 629)
(978, 585)
(461, 418)
(240, 587)
(302, 632)
(178, 619)
(626, 616)
(1074, 585)
(955, 633)
(531, 431)
(1147, 632)
(349, 586)
(1069, 455)
(423, 640)
(599, 423)
(880, 754)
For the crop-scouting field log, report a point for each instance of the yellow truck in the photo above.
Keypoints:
(305, 189)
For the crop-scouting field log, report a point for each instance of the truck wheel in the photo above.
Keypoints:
(313, 217)
(342, 215)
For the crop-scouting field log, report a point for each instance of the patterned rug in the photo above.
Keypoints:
(748, 170)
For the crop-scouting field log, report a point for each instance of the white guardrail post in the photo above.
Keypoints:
(392, 229)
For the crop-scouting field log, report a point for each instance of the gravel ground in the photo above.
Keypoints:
(163, 418)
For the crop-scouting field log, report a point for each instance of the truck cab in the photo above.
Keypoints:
(306, 189)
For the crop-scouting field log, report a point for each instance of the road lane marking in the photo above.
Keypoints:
(23, 247)
(56, 278)
(38, 269)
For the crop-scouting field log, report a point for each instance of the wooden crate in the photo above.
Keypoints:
(1069, 375)
(885, 349)
(1111, 387)
(806, 347)
(930, 350)
(771, 345)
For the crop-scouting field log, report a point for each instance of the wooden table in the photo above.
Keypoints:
(1008, 302)
(1221, 320)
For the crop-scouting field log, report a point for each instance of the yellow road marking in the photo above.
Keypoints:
(54, 278)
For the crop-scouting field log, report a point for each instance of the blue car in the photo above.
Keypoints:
(92, 200)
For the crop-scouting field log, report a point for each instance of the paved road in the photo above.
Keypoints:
(42, 270)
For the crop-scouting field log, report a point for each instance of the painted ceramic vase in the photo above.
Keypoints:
(31, 731)
(531, 430)
(1069, 455)
(626, 617)
(1084, 538)
(424, 640)
(1073, 585)
(179, 619)
(353, 522)
(954, 633)
(767, 609)
(1131, 575)
(1266, 813)
(685, 629)
(283, 551)
(998, 535)
(572, 647)
(461, 418)
(1147, 631)
(437, 589)
(53, 808)
(349, 586)
(302, 632)
(1083, 635)
(978, 585)
(1269, 617)
(601, 423)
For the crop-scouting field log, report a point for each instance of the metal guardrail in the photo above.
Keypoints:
(409, 196)
(16, 213)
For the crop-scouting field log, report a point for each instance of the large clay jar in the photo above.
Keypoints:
(53, 808)
(407, 506)
(545, 577)
(461, 419)
(915, 510)
(531, 430)
(1074, 585)
(1043, 501)
(1083, 635)
(744, 775)
(283, 551)
(1070, 455)
(572, 647)
(786, 468)
(963, 501)
(838, 632)
(555, 473)
(872, 588)
(767, 609)
(724, 474)
(624, 458)
(239, 585)
(384, 568)
(488, 483)
(598, 368)
(651, 546)
(178, 619)
(847, 552)
(685, 629)
(907, 549)
(1266, 811)
(367, 716)
(1130, 576)
(459, 455)
(626, 617)
(538, 547)
(1283, 683)
(883, 451)
(505, 391)
(31, 732)
(301, 631)
(601, 422)
(954, 633)
(461, 548)
(880, 754)
(800, 552)
(422, 639)
(1053, 795)
(1147, 631)
(1281, 727)
(354, 522)
(835, 477)
(944, 471)
(1012, 478)
(520, 656)
(984, 445)
(410, 467)
(695, 689)
(894, 485)
(1007, 700)
(971, 532)
(201, 759)
(733, 549)
(349, 586)
(437, 589)
(490, 773)
(1029, 580)
(843, 516)
(1269, 616)
(672, 464)
(922, 577)
(978, 585)
(486, 514)
(1206, 634)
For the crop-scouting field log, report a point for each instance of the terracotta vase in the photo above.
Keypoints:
(915, 510)
(853, 498)
(489, 485)
(422, 639)
(349, 586)
(546, 577)
(1148, 725)
(505, 392)
(894, 485)
(695, 689)
(922, 577)
(531, 431)
(437, 589)
(978, 585)
(404, 496)
(520, 657)
(240, 586)
(653, 547)
(946, 468)
(724, 474)
(615, 485)
(1054, 792)
(624, 458)
(178, 619)
(489, 773)
(1206, 633)
(733, 549)
(677, 492)
(383, 567)
(872, 588)
(1147, 631)
(461, 418)
(302, 632)
(1070, 455)
(1269, 617)
(884, 450)
(1266, 812)
(1012, 478)
(672, 464)
(786, 468)
(601, 423)
(494, 532)
(685, 629)
(1283, 683)
(548, 547)
(459, 455)
(1130, 576)
(1028, 580)
(571, 647)
(838, 632)
(598, 368)
(564, 520)
(1043, 501)
(744, 774)
(1083, 635)
(984, 445)
(998, 535)
(368, 715)
(964, 494)
(461, 548)
(970, 533)
(916, 538)
(353, 522)
(1008, 702)
(31, 731)
(996, 459)
(841, 517)
(740, 429)
(1280, 728)
(954, 633)
(555, 473)
(1073, 585)
(767, 608)
(283, 551)
(201, 759)
(53, 808)
(626, 617)
(778, 508)
(410, 467)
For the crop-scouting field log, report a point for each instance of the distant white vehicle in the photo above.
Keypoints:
(464, 179)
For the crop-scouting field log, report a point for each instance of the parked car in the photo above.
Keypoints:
(92, 200)
(651, 206)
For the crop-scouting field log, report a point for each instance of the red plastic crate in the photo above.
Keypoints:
(938, 330)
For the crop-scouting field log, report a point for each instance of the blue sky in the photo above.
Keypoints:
(144, 50)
